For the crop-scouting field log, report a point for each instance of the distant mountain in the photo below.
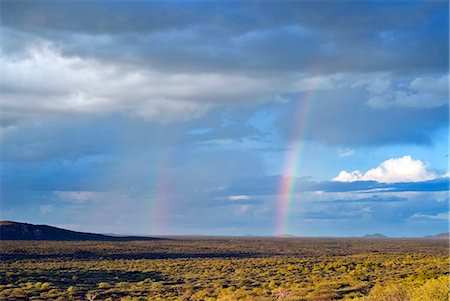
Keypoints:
(285, 236)
(375, 235)
(444, 235)
(22, 231)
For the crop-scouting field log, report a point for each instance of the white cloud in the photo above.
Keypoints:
(43, 81)
(407, 99)
(345, 176)
(238, 197)
(431, 85)
(438, 216)
(46, 208)
(78, 196)
(420, 93)
(243, 209)
(378, 85)
(345, 152)
(403, 169)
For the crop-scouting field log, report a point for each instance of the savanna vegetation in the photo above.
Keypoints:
(227, 269)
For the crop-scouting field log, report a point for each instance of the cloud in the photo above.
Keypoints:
(438, 184)
(341, 117)
(239, 197)
(29, 88)
(45, 209)
(438, 216)
(353, 213)
(431, 85)
(372, 199)
(258, 186)
(235, 35)
(79, 196)
(205, 98)
(182, 64)
(403, 169)
(345, 152)
(422, 92)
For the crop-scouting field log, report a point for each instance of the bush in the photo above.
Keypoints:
(103, 285)
(432, 290)
(390, 292)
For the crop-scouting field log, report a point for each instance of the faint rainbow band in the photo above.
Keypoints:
(288, 185)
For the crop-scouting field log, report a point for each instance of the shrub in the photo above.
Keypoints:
(432, 290)
(389, 292)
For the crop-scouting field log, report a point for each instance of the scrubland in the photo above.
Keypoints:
(198, 269)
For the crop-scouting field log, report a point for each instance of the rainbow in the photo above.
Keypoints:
(159, 201)
(288, 185)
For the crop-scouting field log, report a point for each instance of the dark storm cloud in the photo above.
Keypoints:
(145, 16)
(250, 37)
(251, 53)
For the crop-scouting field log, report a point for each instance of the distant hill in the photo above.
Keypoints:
(285, 236)
(444, 235)
(375, 235)
(22, 231)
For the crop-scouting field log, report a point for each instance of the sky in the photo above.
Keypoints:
(226, 117)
